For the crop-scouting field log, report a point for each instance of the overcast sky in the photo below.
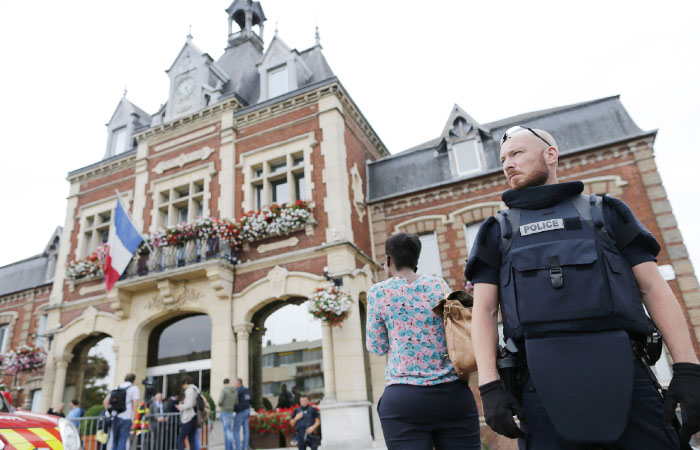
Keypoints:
(404, 63)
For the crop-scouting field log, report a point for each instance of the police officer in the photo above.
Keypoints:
(305, 420)
(570, 273)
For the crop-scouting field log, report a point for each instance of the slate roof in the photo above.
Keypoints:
(31, 272)
(576, 127)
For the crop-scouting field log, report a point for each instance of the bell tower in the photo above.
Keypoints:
(246, 14)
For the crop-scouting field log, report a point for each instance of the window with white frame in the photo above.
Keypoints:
(281, 180)
(429, 259)
(184, 203)
(277, 81)
(119, 140)
(95, 231)
(470, 235)
(4, 337)
(468, 157)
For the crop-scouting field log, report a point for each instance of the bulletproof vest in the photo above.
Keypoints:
(561, 273)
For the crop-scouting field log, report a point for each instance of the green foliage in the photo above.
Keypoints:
(88, 426)
(212, 405)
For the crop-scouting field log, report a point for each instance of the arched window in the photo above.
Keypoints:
(180, 339)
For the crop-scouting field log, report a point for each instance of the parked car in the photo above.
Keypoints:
(24, 430)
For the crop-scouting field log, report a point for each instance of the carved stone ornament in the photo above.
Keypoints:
(278, 280)
(89, 317)
(184, 158)
(358, 194)
(180, 297)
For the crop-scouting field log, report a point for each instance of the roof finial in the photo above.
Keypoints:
(124, 91)
(318, 37)
(189, 35)
(276, 29)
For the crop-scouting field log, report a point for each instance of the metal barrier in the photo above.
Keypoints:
(156, 432)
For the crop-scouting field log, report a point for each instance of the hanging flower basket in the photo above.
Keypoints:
(90, 266)
(23, 359)
(330, 304)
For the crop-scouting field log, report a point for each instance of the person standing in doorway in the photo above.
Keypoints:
(242, 418)
(122, 403)
(157, 424)
(305, 420)
(424, 404)
(228, 399)
(188, 416)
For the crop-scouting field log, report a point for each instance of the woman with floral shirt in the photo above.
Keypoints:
(425, 405)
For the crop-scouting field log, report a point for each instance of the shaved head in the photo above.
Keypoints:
(528, 160)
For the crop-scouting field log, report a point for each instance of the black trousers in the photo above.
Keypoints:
(646, 428)
(443, 417)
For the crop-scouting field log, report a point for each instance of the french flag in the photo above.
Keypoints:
(123, 241)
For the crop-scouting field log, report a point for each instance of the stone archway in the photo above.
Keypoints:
(87, 374)
(255, 370)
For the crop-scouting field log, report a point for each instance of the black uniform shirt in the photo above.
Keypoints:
(310, 415)
(637, 252)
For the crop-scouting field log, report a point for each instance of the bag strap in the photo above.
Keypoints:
(509, 222)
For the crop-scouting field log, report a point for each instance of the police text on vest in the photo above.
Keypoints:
(539, 227)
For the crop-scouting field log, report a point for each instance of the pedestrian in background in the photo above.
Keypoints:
(122, 403)
(228, 399)
(75, 412)
(285, 398)
(56, 410)
(242, 418)
(305, 420)
(188, 416)
(425, 404)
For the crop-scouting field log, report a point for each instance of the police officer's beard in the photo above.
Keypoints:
(538, 177)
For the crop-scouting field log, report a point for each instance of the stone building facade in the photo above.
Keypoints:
(258, 126)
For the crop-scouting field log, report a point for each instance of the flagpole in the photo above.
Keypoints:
(119, 199)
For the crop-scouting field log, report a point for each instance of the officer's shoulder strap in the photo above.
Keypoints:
(590, 208)
(508, 220)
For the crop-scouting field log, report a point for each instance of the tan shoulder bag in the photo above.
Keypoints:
(456, 312)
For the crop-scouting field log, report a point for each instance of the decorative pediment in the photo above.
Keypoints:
(460, 126)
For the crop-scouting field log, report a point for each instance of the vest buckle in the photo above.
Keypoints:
(556, 275)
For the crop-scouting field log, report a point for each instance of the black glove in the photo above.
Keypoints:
(499, 408)
(684, 389)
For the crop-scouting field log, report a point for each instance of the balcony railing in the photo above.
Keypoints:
(171, 257)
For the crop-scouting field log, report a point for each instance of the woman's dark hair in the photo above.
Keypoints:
(404, 250)
(187, 380)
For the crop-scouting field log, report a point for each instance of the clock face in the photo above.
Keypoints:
(184, 89)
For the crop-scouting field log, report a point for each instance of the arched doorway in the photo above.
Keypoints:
(177, 347)
(285, 349)
(90, 374)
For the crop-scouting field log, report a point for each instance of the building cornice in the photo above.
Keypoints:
(232, 103)
(105, 167)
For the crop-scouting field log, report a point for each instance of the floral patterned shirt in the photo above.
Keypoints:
(400, 322)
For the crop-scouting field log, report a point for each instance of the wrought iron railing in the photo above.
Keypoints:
(171, 256)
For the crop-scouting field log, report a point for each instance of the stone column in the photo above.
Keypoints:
(243, 330)
(61, 363)
(255, 347)
(328, 363)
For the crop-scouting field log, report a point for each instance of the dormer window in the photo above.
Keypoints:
(277, 81)
(119, 140)
(468, 157)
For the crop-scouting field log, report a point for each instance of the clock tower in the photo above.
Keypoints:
(195, 82)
